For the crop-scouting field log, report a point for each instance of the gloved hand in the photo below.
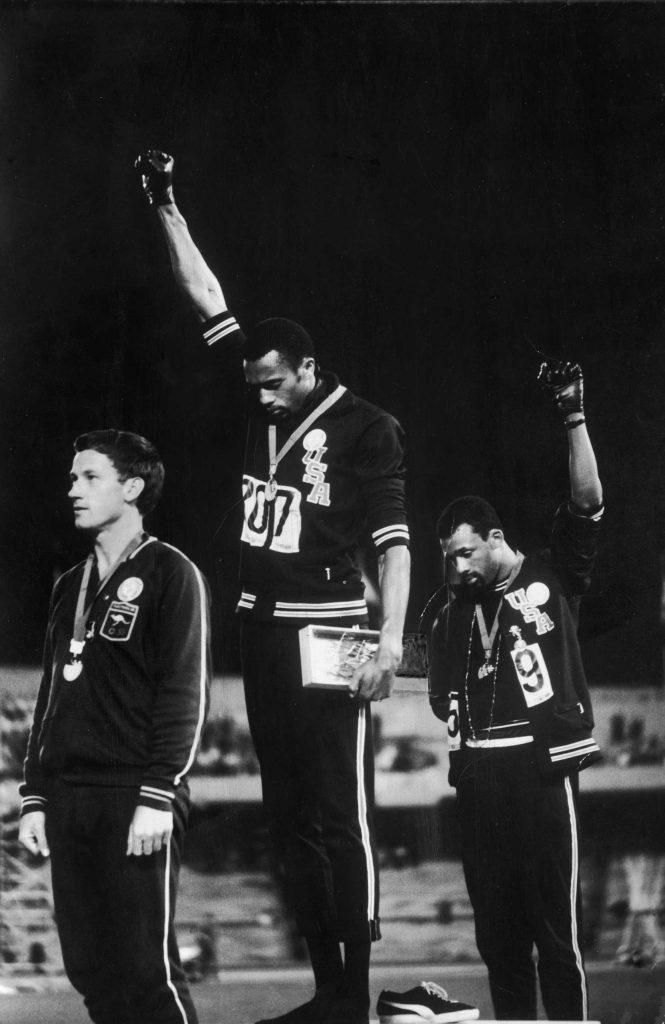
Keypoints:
(156, 170)
(564, 382)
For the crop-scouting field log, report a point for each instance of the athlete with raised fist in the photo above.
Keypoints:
(507, 678)
(321, 465)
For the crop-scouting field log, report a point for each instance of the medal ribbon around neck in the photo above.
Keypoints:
(487, 639)
(275, 457)
(72, 669)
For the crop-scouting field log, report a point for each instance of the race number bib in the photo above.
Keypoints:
(453, 723)
(532, 673)
(274, 524)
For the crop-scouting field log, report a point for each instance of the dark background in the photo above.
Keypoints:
(432, 189)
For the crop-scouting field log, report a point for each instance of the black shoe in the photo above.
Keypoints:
(426, 1002)
(312, 1012)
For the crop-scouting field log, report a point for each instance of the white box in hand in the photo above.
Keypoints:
(329, 655)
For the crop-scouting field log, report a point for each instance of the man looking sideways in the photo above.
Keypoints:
(119, 714)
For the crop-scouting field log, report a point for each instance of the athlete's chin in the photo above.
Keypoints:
(472, 589)
(83, 524)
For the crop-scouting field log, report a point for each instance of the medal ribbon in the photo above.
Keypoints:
(275, 456)
(82, 611)
(487, 639)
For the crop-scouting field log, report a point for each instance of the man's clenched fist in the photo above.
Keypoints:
(156, 170)
(564, 382)
(32, 832)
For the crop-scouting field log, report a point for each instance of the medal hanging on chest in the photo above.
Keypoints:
(73, 668)
(271, 488)
(487, 668)
(487, 640)
(275, 457)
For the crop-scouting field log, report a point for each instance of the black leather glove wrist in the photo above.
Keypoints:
(156, 170)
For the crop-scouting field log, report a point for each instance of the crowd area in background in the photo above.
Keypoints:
(622, 887)
(226, 746)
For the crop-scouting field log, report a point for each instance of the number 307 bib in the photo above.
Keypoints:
(532, 673)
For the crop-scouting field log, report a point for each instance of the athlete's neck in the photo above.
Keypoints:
(309, 400)
(111, 541)
(506, 566)
(317, 385)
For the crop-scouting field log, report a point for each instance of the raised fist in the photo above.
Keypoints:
(156, 170)
(564, 382)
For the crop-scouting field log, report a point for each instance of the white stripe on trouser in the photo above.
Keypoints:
(574, 875)
(165, 948)
(362, 809)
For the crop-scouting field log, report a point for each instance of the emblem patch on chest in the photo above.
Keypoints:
(314, 444)
(119, 620)
(527, 602)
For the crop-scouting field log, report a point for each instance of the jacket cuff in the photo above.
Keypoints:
(32, 802)
(595, 513)
(569, 757)
(157, 795)
(390, 536)
(220, 327)
(440, 707)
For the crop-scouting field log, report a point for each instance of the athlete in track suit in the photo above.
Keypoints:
(305, 507)
(115, 731)
(519, 728)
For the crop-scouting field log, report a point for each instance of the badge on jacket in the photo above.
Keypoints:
(528, 602)
(119, 620)
(130, 588)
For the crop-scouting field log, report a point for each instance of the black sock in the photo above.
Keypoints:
(356, 971)
(326, 957)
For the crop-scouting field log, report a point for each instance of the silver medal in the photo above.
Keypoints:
(271, 489)
(72, 670)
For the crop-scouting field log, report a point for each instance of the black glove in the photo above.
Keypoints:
(156, 170)
(564, 382)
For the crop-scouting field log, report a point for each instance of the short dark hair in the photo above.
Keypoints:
(132, 455)
(280, 335)
(470, 509)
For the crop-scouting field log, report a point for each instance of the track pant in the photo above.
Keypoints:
(520, 858)
(114, 913)
(317, 773)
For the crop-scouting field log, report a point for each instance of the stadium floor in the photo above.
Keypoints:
(617, 995)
